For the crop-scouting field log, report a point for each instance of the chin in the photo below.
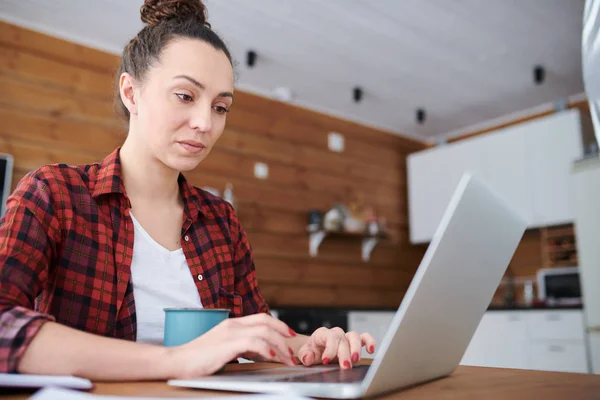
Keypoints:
(183, 164)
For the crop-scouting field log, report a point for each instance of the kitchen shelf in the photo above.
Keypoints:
(556, 233)
(562, 248)
(559, 246)
(368, 242)
(560, 264)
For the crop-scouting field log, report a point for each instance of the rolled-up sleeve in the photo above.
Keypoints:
(28, 233)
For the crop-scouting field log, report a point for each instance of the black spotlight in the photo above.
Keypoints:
(539, 74)
(358, 93)
(420, 115)
(251, 58)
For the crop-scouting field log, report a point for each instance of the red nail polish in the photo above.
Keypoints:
(347, 364)
(291, 351)
(355, 357)
(304, 359)
(272, 353)
(372, 349)
(326, 361)
(292, 332)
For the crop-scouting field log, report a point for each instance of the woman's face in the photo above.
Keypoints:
(181, 105)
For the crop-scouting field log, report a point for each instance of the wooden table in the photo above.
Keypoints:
(464, 383)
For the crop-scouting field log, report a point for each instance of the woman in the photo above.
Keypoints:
(91, 254)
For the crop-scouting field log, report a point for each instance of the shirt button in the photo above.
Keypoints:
(200, 277)
(186, 238)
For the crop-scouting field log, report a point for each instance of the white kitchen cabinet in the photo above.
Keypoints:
(558, 355)
(503, 167)
(374, 322)
(475, 353)
(528, 165)
(557, 341)
(594, 351)
(433, 177)
(556, 325)
(553, 145)
(500, 341)
(586, 198)
(506, 340)
(549, 340)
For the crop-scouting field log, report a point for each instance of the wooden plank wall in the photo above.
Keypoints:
(56, 105)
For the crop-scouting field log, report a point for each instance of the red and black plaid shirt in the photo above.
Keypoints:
(66, 245)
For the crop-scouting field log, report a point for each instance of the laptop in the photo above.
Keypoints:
(429, 334)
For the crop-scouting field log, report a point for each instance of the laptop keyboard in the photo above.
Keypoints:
(356, 374)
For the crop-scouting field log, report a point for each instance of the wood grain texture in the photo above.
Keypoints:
(464, 383)
(56, 105)
(528, 256)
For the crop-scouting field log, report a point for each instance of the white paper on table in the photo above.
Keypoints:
(40, 381)
(51, 393)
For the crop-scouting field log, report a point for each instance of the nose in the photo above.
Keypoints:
(201, 118)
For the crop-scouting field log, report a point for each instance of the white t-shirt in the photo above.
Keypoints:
(161, 279)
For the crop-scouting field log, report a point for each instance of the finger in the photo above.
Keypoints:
(309, 354)
(257, 346)
(369, 342)
(343, 353)
(332, 343)
(265, 319)
(319, 337)
(278, 348)
(355, 342)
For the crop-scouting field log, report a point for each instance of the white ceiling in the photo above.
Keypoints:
(464, 61)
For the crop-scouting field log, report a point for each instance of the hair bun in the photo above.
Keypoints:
(154, 11)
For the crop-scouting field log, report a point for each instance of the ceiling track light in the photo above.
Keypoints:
(420, 114)
(539, 74)
(357, 94)
(251, 58)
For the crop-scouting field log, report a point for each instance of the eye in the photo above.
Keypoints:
(186, 98)
(220, 109)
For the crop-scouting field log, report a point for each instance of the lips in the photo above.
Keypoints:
(192, 146)
(192, 143)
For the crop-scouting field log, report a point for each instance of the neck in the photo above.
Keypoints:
(146, 177)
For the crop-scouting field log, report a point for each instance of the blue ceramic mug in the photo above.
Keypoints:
(183, 325)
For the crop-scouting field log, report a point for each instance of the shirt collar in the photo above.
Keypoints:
(108, 176)
(109, 180)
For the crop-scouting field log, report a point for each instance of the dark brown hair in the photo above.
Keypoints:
(166, 20)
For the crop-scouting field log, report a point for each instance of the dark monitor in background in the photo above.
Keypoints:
(6, 170)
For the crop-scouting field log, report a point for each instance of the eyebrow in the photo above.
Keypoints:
(201, 86)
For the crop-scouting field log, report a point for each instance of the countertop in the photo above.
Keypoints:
(464, 383)
(533, 307)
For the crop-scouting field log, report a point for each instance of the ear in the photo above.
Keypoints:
(127, 92)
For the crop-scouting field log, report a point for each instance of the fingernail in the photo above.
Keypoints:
(292, 332)
(304, 359)
(272, 353)
(291, 351)
(372, 349)
(347, 364)
(326, 361)
(294, 361)
(354, 357)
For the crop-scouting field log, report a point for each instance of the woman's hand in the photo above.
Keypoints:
(330, 345)
(254, 335)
